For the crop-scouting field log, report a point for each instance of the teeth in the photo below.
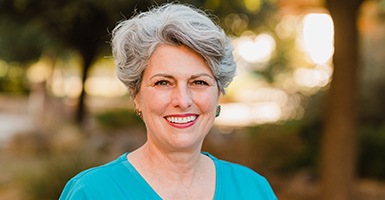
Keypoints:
(181, 120)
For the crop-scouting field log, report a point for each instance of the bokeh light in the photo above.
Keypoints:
(256, 49)
(39, 71)
(257, 101)
(317, 77)
(318, 37)
(105, 86)
(253, 5)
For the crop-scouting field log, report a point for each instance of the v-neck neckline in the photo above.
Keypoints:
(152, 194)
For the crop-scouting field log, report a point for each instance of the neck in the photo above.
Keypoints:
(177, 166)
(172, 159)
(174, 174)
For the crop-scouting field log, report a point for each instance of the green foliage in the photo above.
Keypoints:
(20, 43)
(372, 152)
(287, 148)
(13, 79)
(54, 171)
(119, 118)
(235, 17)
(84, 26)
(294, 146)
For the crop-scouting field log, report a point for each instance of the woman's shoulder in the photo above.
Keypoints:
(95, 173)
(91, 182)
(230, 173)
(241, 182)
(234, 168)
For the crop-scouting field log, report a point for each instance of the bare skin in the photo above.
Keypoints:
(178, 99)
(175, 176)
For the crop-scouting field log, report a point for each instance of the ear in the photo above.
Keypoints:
(135, 99)
(131, 93)
(219, 96)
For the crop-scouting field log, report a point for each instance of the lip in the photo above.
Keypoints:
(181, 120)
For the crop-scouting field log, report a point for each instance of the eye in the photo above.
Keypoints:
(162, 83)
(200, 82)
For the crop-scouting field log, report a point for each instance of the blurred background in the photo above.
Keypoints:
(306, 109)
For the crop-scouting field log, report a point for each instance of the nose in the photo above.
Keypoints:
(182, 97)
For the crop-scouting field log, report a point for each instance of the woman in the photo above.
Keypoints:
(176, 63)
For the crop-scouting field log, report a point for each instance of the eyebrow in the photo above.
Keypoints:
(201, 74)
(170, 76)
(161, 75)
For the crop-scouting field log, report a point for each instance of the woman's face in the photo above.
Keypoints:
(178, 98)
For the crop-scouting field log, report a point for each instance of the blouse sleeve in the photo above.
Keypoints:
(76, 190)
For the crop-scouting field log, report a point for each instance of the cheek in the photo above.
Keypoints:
(207, 102)
(155, 101)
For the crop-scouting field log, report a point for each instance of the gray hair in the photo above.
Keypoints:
(134, 40)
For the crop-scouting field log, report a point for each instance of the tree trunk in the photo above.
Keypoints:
(339, 149)
(81, 109)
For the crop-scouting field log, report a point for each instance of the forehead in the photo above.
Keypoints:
(176, 59)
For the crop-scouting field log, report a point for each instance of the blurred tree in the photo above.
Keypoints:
(16, 41)
(339, 148)
(238, 16)
(19, 46)
(83, 26)
(78, 25)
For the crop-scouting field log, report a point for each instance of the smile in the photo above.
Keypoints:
(181, 120)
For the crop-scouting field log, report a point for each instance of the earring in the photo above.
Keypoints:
(138, 113)
(218, 111)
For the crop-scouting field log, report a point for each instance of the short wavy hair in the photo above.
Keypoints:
(135, 39)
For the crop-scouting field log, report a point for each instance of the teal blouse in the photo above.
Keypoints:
(120, 180)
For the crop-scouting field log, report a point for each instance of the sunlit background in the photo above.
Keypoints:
(272, 115)
(253, 100)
